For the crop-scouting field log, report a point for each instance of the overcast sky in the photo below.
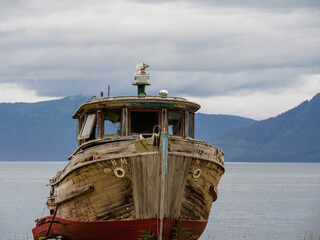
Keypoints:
(252, 58)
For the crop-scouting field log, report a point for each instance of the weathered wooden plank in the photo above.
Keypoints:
(178, 170)
(145, 182)
(73, 193)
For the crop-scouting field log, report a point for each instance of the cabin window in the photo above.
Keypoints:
(143, 121)
(175, 126)
(112, 122)
(190, 125)
(88, 127)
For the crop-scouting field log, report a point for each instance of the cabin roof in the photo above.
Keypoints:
(148, 101)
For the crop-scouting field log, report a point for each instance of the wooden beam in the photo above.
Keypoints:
(186, 125)
(99, 125)
(125, 125)
(164, 121)
(61, 198)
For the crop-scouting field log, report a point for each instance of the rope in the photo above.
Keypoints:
(155, 135)
(44, 208)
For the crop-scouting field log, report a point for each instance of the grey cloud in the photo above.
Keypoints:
(66, 49)
(283, 5)
(206, 84)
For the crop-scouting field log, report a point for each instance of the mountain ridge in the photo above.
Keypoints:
(291, 136)
(45, 131)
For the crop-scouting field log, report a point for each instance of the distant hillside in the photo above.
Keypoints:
(211, 126)
(293, 136)
(45, 131)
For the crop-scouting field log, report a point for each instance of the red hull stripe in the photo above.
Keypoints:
(110, 230)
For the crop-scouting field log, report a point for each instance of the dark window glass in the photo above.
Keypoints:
(191, 127)
(112, 122)
(175, 121)
(143, 122)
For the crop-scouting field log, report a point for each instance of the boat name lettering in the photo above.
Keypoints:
(117, 162)
(123, 161)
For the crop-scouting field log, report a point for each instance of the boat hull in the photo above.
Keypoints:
(105, 230)
(113, 190)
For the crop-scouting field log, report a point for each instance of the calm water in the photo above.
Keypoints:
(256, 201)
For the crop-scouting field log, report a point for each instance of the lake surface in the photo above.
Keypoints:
(256, 200)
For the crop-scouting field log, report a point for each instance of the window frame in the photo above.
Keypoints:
(192, 115)
(103, 120)
(142, 110)
(94, 121)
(183, 122)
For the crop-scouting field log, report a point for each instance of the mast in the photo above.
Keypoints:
(142, 79)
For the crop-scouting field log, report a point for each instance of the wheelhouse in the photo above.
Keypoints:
(112, 117)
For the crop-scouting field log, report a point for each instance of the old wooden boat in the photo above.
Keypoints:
(137, 167)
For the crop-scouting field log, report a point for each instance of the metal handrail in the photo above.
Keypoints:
(137, 97)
